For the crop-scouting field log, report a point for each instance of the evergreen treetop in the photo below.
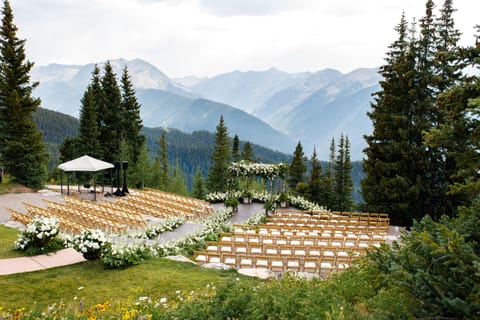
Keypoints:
(217, 175)
(22, 152)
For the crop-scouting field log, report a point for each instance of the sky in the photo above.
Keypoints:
(209, 37)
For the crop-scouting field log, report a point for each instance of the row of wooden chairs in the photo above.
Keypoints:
(287, 250)
(160, 208)
(291, 238)
(319, 265)
(314, 231)
(195, 207)
(84, 217)
(109, 211)
(336, 239)
(324, 216)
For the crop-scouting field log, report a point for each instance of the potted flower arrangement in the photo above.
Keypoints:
(231, 202)
(89, 243)
(247, 196)
(283, 198)
(269, 206)
(39, 236)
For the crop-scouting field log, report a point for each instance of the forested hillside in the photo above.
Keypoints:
(191, 150)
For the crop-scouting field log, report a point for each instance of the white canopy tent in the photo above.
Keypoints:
(84, 164)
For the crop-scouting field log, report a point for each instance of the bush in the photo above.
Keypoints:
(39, 237)
(89, 242)
(438, 265)
(116, 256)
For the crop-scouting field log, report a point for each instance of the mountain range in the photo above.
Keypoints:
(270, 108)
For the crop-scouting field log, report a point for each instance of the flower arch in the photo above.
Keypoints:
(267, 171)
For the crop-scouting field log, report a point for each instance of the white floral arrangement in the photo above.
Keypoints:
(89, 241)
(256, 219)
(303, 204)
(154, 230)
(212, 225)
(268, 171)
(121, 255)
(39, 230)
(222, 196)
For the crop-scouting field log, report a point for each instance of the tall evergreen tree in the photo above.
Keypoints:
(113, 117)
(217, 174)
(446, 73)
(176, 183)
(236, 149)
(98, 99)
(315, 189)
(22, 152)
(331, 158)
(459, 133)
(69, 149)
(89, 135)
(140, 171)
(163, 162)
(393, 181)
(328, 195)
(343, 183)
(199, 190)
(247, 152)
(298, 167)
(133, 122)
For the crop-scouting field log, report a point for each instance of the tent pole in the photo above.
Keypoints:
(68, 184)
(61, 182)
(95, 186)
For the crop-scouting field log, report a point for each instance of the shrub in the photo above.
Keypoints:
(438, 266)
(39, 237)
(256, 219)
(117, 256)
(89, 242)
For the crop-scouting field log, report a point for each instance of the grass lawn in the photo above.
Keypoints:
(154, 278)
(7, 240)
(6, 186)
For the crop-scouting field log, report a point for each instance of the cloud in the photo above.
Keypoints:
(225, 8)
(206, 37)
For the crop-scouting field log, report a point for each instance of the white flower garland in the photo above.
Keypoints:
(268, 171)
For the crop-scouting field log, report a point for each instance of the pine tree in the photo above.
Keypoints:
(22, 152)
(343, 184)
(199, 190)
(176, 183)
(236, 149)
(217, 174)
(133, 122)
(69, 149)
(89, 135)
(458, 134)
(446, 61)
(315, 189)
(113, 118)
(297, 168)
(247, 152)
(98, 99)
(328, 196)
(393, 166)
(140, 171)
(446, 73)
(163, 162)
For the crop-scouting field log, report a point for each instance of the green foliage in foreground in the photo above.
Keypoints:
(438, 264)
(157, 278)
(434, 274)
